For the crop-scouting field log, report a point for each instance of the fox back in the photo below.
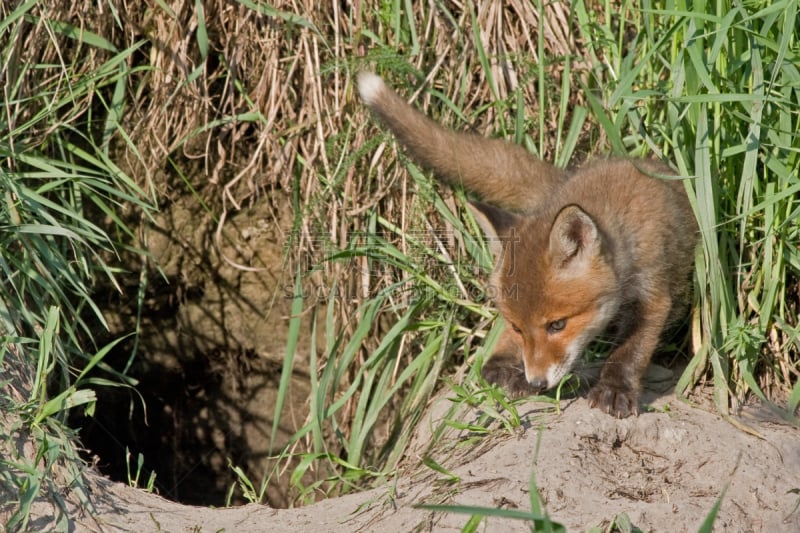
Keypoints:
(606, 248)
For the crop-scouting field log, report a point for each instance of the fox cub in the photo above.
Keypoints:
(606, 248)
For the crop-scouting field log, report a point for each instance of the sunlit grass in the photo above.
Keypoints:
(57, 182)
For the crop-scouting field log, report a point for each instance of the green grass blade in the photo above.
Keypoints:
(288, 358)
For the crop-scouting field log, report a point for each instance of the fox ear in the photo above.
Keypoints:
(573, 237)
(496, 224)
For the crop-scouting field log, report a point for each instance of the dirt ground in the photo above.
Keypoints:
(664, 469)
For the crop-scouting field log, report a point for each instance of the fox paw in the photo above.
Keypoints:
(616, 401)
(510, 378)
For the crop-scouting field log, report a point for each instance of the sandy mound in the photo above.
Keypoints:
(664, 470)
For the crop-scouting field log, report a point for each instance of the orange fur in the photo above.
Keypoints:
(608, 246)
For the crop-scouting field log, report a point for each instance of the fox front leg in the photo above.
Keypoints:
(617, 392)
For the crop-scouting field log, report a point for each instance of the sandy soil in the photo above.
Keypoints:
(664, 469)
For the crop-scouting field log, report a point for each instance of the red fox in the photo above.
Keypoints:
(606, 248)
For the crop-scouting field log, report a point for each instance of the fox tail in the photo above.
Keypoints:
(500, 172)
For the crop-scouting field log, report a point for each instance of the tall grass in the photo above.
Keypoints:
(712, 89)
(63, 199)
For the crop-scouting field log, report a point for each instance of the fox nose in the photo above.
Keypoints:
(538, 384)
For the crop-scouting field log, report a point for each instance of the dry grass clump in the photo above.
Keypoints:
(248, 91)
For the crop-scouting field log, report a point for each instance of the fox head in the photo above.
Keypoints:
(553, 282)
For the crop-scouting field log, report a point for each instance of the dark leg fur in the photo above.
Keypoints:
(617, 393)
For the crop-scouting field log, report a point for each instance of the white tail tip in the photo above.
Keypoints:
(369, 86)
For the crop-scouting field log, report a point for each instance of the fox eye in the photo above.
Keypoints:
(556, 325)
(516, 329)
